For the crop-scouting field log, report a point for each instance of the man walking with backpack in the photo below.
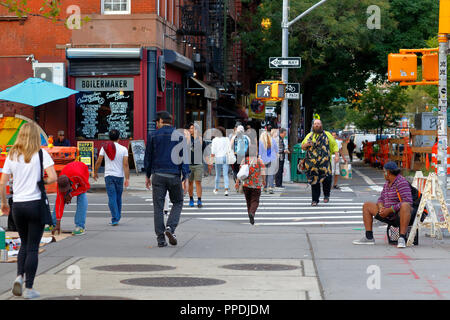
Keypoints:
(240, 143)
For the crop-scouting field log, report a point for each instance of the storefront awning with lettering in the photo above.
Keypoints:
(210, 92)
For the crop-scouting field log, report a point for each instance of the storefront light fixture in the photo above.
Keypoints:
(121, 92)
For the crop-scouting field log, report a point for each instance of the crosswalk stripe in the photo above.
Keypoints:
(283, 218)
(269, 208)
(308, 223)
(258, 212)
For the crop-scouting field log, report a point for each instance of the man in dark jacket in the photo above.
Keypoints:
(166, 162)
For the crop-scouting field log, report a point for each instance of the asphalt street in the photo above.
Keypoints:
(293, 252)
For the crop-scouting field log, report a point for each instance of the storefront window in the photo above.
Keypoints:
(104, 108)
(116, 6)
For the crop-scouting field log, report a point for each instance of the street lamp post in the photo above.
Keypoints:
(285, 24)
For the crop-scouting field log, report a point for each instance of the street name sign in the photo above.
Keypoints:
(279, 62)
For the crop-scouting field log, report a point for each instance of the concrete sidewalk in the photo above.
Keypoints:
(233, 261)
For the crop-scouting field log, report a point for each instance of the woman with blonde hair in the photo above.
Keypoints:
(268, 151)
(23, 164)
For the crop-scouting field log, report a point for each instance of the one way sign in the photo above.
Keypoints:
(279, 62)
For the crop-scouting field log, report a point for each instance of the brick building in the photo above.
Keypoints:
(132, 59)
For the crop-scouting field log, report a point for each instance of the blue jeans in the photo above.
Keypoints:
(114, 189)
(221, 166)
(80, 214)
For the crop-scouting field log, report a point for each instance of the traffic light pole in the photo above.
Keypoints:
(285, 24)
(442, 117)
(285, 54)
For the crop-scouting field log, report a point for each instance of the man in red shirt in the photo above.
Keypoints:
(73, 181)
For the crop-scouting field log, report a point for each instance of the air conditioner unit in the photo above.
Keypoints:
(51, 72)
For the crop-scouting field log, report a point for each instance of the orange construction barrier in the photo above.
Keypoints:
(61, 156)
(383, 154)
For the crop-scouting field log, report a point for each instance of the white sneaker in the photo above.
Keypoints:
(17, 286)
(31, 294)
(226, 192)
(216, 191)
(364, 240)
(401, 243)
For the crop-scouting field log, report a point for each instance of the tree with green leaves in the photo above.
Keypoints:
(338, 50)
(381, 107)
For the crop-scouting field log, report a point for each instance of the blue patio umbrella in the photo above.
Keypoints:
(35, 91)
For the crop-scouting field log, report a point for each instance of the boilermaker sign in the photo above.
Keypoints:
(104, 84)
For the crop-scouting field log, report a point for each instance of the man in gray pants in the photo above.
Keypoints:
(167, 163)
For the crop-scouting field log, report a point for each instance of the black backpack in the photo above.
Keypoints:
(417, 197)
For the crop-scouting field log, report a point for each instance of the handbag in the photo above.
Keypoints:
(46, 216)
(244, 171)
(11, 224)
(231, 157)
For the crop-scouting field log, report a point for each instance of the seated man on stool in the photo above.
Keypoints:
(395, 203)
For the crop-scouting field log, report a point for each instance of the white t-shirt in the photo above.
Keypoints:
(339, 143)
(220, 146)
(26, 176)
(115, 167)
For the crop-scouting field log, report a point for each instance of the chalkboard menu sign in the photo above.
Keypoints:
(86, 153)
(109, 107)
(138, 152)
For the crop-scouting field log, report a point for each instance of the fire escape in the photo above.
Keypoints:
(203, 25)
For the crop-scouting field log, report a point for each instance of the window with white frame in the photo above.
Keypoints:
(116, 6)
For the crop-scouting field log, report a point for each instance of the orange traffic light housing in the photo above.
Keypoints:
(402, 67)
(430, 67)
(444, 16)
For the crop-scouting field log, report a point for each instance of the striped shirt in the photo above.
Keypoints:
(389, 196)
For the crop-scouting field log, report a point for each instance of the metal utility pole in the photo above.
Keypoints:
(442, 117)
(285, 24)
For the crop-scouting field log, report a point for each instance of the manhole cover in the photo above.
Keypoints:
(260, 267)
(134, 268)
(173, 282)
(81, 297)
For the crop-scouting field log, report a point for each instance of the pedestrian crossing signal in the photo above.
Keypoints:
(271, 90)
(263, 91)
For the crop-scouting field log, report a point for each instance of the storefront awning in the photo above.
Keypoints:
(210, 92)
(177, 60)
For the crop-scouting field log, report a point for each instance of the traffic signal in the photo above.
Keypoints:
(430, 67)
(356, 97)
(402, 67)
(263, 91)
(444, 16)
(278, 90)
(271, 90)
